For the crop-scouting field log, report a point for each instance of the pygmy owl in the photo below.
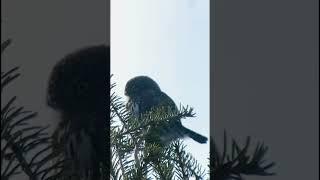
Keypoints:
(144, 95)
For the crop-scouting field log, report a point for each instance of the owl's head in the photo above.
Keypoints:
(79, 81)
(140, 84)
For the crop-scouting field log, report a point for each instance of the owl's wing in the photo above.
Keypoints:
(162, 133)
(166, 101)
(155, 99)
(175, 129)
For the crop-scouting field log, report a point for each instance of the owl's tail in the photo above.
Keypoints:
(195, 136)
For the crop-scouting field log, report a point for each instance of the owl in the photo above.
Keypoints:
(78, 91)
(144, 95)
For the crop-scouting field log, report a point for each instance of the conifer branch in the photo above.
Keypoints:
(238, 161)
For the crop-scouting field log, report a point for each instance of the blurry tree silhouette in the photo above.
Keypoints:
(25, 148)
(233, 163)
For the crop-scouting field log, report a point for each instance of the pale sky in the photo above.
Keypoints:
(167, 40)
